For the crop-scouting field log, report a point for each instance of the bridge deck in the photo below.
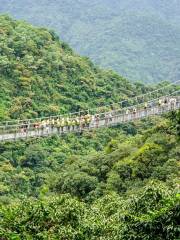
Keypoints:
(15, 134)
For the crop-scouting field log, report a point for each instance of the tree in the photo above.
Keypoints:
(34, 157)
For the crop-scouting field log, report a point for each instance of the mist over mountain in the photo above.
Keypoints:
(138, 39)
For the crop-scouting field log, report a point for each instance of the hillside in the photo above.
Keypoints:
(115, 183)
(40, 75)
(138, 39)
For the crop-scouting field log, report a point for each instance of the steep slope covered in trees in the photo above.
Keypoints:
(39, 75)
(139, 39)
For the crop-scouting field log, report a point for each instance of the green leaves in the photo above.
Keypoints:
(110, 217)
(34, 157)
(38, 65)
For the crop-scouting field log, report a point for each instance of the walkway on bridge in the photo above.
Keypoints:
(10, 131)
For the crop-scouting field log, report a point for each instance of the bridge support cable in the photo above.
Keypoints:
(105, 119)
(160, 92)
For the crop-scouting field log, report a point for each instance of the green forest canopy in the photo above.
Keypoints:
(36, 67)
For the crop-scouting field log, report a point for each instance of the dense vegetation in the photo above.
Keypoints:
(115, 184)
(119, 183)
(35, 67)
(139, 39)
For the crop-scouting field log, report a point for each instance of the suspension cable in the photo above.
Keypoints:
(92, 109)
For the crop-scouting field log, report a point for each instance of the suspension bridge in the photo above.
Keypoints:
(157, 102)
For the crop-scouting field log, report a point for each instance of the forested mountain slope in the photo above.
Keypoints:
(116, 183)
(40, 75)
(139, 39)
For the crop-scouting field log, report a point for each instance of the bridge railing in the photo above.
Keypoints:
(141, 113)
(152, 108)
(155, 94)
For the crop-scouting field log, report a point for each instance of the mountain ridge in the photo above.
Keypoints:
(138, 39)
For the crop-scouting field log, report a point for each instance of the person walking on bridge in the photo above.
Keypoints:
(106, 117)
(88, 119)
(97, 119)
(145, 105)
(68, 123)
(160, 102)
(73, 122)
(82, 122)
(172, 103)
(58, 125)
(77, 120)
(160, 105)
(52, 122)
(62, 125)
(43, 125)
(134, 112)
(127, 115)
(144, 113)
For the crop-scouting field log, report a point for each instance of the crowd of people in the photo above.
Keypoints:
(162, 104)
(85, 121)
(61, 123)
